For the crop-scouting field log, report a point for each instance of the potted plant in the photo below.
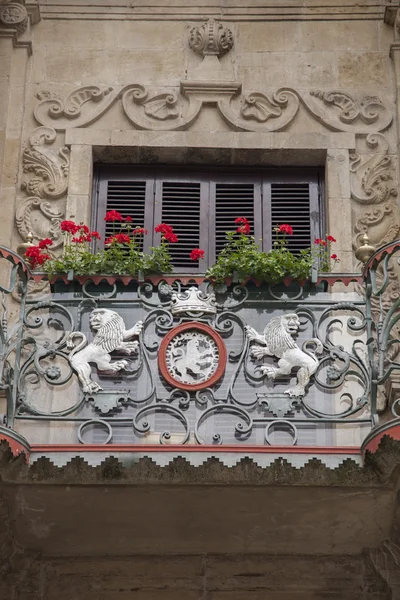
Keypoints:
(241, 259)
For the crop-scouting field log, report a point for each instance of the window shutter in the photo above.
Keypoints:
(183, 205)
(291, 204)
(228, 202)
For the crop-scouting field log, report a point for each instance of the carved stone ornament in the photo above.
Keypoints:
(110, 335)
(277, 340)
(371, 178)
(177, 109)
(211, 38)
(42, 212)
(14, 15)
(192, 357)
(193, 301)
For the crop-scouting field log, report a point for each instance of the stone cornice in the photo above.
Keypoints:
(235, 10)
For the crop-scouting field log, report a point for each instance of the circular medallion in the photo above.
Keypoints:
(192, 357)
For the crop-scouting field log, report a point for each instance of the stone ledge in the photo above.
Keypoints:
(380, 469)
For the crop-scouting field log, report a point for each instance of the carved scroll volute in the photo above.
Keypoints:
(372, 179)
(42, 212)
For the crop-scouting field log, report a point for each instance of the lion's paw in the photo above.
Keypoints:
(297, 391)
(268, 371)
(92, 388)
(131, 347)
(258, 352)
(118, 365)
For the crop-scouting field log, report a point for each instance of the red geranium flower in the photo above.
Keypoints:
(121, 238)
(140, 231)
(164, 229)
(95, 234)
(285, 228)
(330, 238)
(113, 215)
(171, 237)
(245, 229)
(78, 240)
(335, 257)
(320, 242)
(241, 220)
(36, 256)
(128, 220)
(69, 227)
(45, 243)
(196, 254)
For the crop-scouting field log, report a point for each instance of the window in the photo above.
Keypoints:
(202, 204)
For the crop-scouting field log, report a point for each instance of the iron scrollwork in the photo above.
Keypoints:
(315, 367)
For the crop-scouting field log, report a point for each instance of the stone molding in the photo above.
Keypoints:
(235, 11)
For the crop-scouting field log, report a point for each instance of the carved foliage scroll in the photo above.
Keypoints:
(174, 109)
(46, 184)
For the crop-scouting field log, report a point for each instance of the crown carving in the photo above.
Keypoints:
(212, 38)
(193, 300)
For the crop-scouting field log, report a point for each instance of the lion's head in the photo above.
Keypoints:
(279, 331)
(109, 327)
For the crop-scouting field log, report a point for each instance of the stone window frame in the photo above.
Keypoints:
(280, 149)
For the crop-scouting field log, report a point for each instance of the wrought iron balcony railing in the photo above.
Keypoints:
(178, 361)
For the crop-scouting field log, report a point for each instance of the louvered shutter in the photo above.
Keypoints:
(130, 197)
(296, 204)
(183, 205)
(228, 201)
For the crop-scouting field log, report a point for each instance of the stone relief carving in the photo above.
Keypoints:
(110, 335)
(192, 357)
(178, 109)
(371, 178)
(14, 15)
(277, 340)
(211, 38)
(42, 212)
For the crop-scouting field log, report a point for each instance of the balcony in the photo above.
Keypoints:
(173, 366)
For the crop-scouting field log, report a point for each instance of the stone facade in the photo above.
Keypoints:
(239, 83)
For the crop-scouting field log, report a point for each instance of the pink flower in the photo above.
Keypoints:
(196, 254)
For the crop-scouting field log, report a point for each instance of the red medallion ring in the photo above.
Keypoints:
(192, 357)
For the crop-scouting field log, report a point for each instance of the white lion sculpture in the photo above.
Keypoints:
(278, 341)
(111, 335)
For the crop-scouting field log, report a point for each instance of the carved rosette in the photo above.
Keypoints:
(212, 38)
(14, 16)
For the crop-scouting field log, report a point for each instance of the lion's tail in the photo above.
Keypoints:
(71, 345)
(318, 348)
